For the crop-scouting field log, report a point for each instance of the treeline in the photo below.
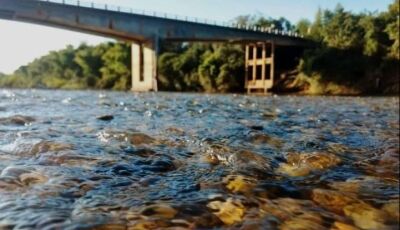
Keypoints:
(355, 54)
(105, 66)
(358, 53)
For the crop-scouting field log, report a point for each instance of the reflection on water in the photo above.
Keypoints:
(107, 160)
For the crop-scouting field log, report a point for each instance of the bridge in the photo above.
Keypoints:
(145, 30)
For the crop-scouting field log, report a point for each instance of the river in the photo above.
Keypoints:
(115, 160)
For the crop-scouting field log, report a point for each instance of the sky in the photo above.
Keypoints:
(21, 43)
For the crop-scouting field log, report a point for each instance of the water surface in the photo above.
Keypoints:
(109, 160)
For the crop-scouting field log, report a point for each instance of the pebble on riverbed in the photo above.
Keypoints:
(239, 184)
(134, 138)
(17, 120)
(301, 164)
(240, 160)
(49, 146)
(105, 117)
(230, 212)
(23, 175)
(159, 211)
(332, 200)
(262, 139)
(365, 216)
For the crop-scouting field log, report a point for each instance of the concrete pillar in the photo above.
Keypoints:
(144, 68)
(266, 82)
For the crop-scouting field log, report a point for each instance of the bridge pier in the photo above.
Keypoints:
(144, 67)
(260, 67)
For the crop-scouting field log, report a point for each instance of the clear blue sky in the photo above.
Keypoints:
(21, 43)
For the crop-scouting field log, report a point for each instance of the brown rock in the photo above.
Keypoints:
(306, 221)
(159, 211)
(229, 212)
(342, 226)
(332, 200)
(239, 184)
(17, 120)
(302, 164)
(259, 139)
(140, 139)
(366, 217)
(392, 208)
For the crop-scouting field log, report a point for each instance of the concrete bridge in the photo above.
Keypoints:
(146, 30)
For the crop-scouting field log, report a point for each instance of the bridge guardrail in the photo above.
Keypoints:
(114, 8)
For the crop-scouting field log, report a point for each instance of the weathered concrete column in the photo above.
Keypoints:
(260, 66)
(144, 68)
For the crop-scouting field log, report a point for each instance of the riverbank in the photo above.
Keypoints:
(360, 58)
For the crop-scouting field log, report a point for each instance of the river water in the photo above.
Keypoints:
(113, 160)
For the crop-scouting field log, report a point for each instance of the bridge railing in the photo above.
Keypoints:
(114, 8)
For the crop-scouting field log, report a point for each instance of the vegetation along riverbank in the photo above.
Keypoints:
(356, 53)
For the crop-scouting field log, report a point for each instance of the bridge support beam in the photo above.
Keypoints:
(260, 67)
(144, 67)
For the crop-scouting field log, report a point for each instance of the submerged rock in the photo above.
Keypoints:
(159, 211)
(105, 118)
(134, 138)
(259, 139)
(49, 146)
(368, 186)
(332, 200)
(393, 208)
(229, 212)
(17, 120)
(366, 217)
(309, 221)
(342, 226)
(286, 208)
(301, 164)
(140, 139)
(243, 161)
(25, 175)
(239, 184)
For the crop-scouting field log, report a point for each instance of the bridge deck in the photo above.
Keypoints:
(129, 25)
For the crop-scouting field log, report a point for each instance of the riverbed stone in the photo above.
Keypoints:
(302, 164)
(243, 161)
(305, 221)
(163, 211)
(105, 117)
(229, 212)
(18, 120)
(392, 208)
(332, 200)
(140, 139)
(32, 178)
(343, 226)
(286, 208)
(365, 216)
(239, 184)
(264, 139)
(49, 146)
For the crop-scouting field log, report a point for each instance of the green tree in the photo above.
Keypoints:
(222, 70)
(303, 27)
(317, 27)
(392, 28)
(341, 29)
(116, 72)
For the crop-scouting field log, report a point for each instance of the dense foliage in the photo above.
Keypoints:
(355, 53)
(106, 66)
(200, 67)
(358, 53)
